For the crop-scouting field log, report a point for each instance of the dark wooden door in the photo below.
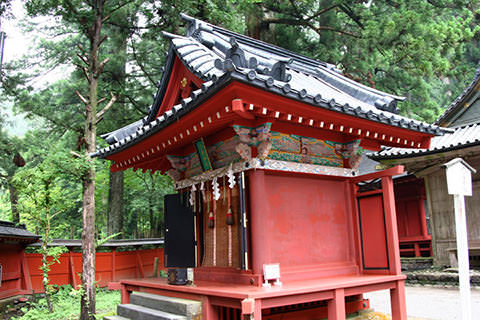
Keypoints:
(179, 232)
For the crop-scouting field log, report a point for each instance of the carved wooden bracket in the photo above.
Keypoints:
(253, 137)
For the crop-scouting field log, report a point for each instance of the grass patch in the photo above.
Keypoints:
(66, 303)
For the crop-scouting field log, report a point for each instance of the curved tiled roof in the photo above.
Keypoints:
(218, 57)
(462, 137)
(12, 232)
(458, 103)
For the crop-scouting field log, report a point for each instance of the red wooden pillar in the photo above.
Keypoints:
(125, 295)
(336, 306)
(397, 294)
(71, 269)
(416, 247)
(252, 309)
(209, 311)
(257, 314)
(139, 263)
(397, 299)
(114, 267)
(423, 220)
(26, 274)
(391, 226)
(259, 220)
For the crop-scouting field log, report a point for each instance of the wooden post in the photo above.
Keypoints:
(257, 314)
(463, 259)
(209, 311)
(71, 270)
(459, 184)
(125, 295)
(336, 306)
(155, 268)
(114, 267)
(416, 248)
(259, 220)
(139, 263)
(391, 226)
(397, 301)
(26, 273)
(423, 218)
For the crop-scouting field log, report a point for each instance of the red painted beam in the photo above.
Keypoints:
(174, 87)
(286, 111)
(239, 108)
(380, 174)
(287, 106)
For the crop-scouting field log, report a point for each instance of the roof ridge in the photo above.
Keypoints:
(197, 23)
(234, 57)
(455, 104)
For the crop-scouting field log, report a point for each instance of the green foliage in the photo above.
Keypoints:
(144, 199)
(67, 304)
(48, 161)
(406, 48)
(424, 50)
(43, 193)
(4, 206)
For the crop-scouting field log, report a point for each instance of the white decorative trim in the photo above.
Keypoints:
(267, 164)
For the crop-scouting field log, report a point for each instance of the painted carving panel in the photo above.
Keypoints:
(268, 145)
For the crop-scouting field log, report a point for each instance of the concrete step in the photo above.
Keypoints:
(115, 318)
(136, 312)
(188, 308)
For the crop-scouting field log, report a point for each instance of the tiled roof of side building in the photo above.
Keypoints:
(218, 57)
(459, 101)
(12, 231)
(462, 137)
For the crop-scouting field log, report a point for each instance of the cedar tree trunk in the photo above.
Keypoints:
(13, 203)
(88, 233)
(115, 203)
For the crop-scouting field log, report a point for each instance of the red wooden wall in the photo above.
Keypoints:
(128, 264)
(14, 278)
(412, 226)
(310, 218)
(309, 225)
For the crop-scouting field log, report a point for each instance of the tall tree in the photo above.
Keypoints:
(120, 29)
(89, 16)
(10, 160)
(93, 70)
(404, 47)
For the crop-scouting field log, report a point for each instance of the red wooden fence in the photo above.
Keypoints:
(109, 266)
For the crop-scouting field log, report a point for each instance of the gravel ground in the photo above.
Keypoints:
(428, 302)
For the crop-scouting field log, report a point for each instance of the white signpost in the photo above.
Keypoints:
(459, 183)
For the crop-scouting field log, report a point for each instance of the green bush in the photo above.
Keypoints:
(66, 301)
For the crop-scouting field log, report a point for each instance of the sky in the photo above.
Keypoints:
(18, 44)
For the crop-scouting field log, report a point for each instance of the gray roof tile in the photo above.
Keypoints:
(11, 231)
(218, 56)
(461, 137)
(459, 101)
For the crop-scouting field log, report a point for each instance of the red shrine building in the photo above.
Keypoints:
(14, 271)
(271, 215)
(413, 234)
(462, 118)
